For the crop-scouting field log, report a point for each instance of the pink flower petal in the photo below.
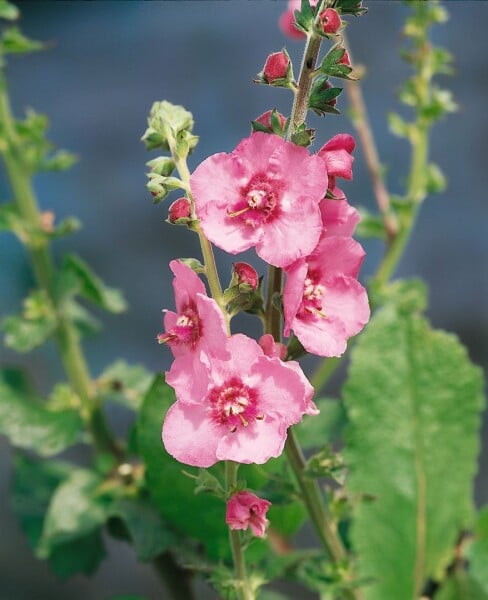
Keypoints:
(339, 217)
(293, 292)
(190, 436)
(347, 300)
(335, 255)
(186, 283)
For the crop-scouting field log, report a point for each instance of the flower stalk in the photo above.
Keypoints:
(66, 337)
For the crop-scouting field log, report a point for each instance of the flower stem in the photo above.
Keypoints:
(243, 588)
(360, 120)
(66, 335)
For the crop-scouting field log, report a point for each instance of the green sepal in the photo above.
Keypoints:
(88, 285)
(303, 137)
(330, 66)
(398, 126)
(206, 483)
(124, 383)
(160, 186)
(34, 326)
(28, 423)
(321, 96)
(185, 143)
(162, 165)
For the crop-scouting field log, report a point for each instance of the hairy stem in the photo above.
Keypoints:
(66, 336)
(360, 120)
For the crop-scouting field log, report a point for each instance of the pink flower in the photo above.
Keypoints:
(246, 274)
(272, 348)
(276, 66)
(330, 20)
(198, 323)
(264, 194)
(247, 510)
(324, 304)
(239, 409)
(337, 155)
(338, 216)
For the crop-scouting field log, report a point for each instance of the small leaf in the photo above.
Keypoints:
(28, 424)
(370, 226)
(92, 287)
(124, 383)
(478, 551)
(435, 180)
(62, 160)
(33, 327)
(13, 41)
(162, 165)
(8, 11)
(398, 126)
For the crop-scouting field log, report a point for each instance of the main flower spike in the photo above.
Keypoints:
(244, 510)
(266, 194)
(323, 302)
(238, 409)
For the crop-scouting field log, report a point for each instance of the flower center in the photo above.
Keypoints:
(187, 329)
(313, 293)
(234, 404)
(260, 201)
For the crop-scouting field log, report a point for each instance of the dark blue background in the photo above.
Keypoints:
(108, 62)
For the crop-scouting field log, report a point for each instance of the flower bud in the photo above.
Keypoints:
(246, 274)
(272, 348)
(265, 119)
(276, 67)
(179, 212)
(330, 20)
(244, 510)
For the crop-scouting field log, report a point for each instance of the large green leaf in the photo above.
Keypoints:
(414, 403)
(172, 490)
(478, 552)
(34, 484)
(28, 424)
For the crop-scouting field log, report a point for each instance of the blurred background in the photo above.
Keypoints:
(106, 63)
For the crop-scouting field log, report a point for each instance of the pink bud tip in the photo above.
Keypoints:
(345, 60)
(276, 66)
(330, 20)
(180, 209)
(265, 119)
(246, 274)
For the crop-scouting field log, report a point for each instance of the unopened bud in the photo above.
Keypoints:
(246, 274)
(330, 20)
(266, 120)
(180, 211)
(276, 67)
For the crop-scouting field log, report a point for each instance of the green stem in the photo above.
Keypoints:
(66, 336)
(243, 587)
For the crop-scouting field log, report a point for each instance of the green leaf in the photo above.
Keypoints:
(149, 535)
(324, 428)
(8, 11)
(398, 126)
(92, 287)
(34, 485)
(288, 518)
(478, 552)
(414, 403)
(162, 165)
(62, 160)
(171, 489)
(13, 41)
(370, 226)
(461, 586)
(33, 327)
(436, 182)
(124, 383)
(28, 424)
(85, 323)
(76, 510)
